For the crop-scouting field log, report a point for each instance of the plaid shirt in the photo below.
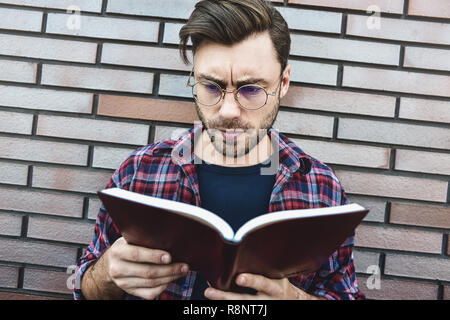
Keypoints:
(157, 171)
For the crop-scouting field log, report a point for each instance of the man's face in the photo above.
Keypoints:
(252, 61)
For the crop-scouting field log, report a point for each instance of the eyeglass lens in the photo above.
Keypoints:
(210, 94)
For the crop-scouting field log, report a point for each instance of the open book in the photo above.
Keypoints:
(276, 245)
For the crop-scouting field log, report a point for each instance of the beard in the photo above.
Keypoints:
(249, 136)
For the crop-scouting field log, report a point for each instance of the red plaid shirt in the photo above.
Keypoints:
(157, 171)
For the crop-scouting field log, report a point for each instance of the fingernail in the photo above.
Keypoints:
(242, 279)
(165, 258)
(184, 269)
(209, 293)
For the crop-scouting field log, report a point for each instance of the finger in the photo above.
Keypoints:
(133, 282)
(148, 294)
(216, 294)
(257, 282)
(144, 255)
(147, 271)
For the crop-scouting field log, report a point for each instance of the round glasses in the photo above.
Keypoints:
(250, 96)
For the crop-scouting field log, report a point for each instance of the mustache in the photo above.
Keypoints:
(229, 124)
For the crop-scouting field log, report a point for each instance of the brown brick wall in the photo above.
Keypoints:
(373, 103)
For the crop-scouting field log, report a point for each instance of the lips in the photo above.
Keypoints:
(231, 134)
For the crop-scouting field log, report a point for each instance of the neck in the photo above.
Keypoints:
(206, 151)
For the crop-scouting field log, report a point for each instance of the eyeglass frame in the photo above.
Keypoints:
(234, 91)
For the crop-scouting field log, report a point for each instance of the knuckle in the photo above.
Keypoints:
(134, 254)
(150, 273)
(151, 283)
(114, 271)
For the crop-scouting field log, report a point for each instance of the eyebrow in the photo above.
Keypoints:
(239, 83)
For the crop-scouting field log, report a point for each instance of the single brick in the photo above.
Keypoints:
(94, 207)
(312, 20)
(23, 20)
(41, 202)
(13, 122)
(446, 293)
(37, 253)
(424, 110)
(344, 49)
(143, 56)
(174, 85)
(178, 9)
(399, 81)
(377, 207)
(166, 132)
(97, 78)
(107, 28)
(10, 224)
(43, 151)
(13, 173)
(46, 280)
(45, 99)
(427, 58)
(339, 101)
(313, 72)
(18, 71)
(394, 133)
(346, 154)
(420, 215)
(69, 179)
(9, 278)
(398, 239)
(393, 186)
(46, 48)
(389, 6)
(305, 124)
(397, 289)
(421, 161)
(399, 29)
(365, 260)
(417, 267)
(22, 296)
(109, 157)
(60, 230)
(83, 5)
(147, 109)
(172, 33)
(96, 130)
(438, 8)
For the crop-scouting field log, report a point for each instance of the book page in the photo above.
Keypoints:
(188, 210)
(269, 218)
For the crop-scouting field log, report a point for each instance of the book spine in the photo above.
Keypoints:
(225, 281)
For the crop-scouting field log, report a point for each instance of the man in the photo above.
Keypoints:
(240, 50)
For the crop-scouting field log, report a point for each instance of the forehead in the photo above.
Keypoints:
(254, 56)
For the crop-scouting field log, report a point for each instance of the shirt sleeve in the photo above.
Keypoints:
(336, 278)
(105, 230)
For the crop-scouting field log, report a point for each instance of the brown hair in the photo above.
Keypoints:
(231, 21)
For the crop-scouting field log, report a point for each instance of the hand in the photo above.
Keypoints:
(267, 289)
(140, 271)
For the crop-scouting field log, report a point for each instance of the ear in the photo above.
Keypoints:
(285, 81)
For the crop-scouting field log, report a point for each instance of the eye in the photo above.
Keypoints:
(212, 88)
(250, 90)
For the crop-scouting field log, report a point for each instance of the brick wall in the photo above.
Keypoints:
(370, 96)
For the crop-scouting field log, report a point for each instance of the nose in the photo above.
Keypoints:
(230, 108)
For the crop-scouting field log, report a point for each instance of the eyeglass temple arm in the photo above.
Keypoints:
(188, 84)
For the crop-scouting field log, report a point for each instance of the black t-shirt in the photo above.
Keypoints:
(236, 194)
